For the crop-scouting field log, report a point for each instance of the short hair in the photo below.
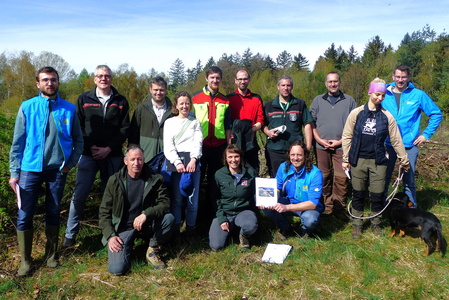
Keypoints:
(242, 70)
(174, 110)
(133, 147)
(214, 69)
(333, 73)
(46, 69)
(285, 76)
(158, 80)
(307, 161)
(104, 68)
(233, 148)
(403, 68)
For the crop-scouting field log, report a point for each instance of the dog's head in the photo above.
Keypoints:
(403, 199)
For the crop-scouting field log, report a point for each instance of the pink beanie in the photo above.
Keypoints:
(377, 87)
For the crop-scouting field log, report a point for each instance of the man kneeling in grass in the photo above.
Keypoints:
(135, 202)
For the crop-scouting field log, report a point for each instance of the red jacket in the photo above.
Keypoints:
(246, 107)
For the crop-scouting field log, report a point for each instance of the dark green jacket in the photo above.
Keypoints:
(155, 204)
(295, 117)
(233, 199)
(145, 129)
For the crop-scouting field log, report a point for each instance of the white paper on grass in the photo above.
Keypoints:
(266, 191)
(276, 253)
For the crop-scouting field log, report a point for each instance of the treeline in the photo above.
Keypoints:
(424, 50)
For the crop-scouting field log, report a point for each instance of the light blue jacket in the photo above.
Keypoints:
(301, 186)
(28, 147)
(413, 102)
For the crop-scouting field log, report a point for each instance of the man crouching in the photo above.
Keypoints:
(135, 202)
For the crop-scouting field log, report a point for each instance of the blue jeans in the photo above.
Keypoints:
(30, 186)
(85, 176)
(177, 200)
(161, 229)
(309, 218)
(246, 220)
(409, 177)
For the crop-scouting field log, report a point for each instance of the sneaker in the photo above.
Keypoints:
(356, 232)
(68, 243)
(377, 230)
(154, 259)
(244, 242)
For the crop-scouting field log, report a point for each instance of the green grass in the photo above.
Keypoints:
(329, 266)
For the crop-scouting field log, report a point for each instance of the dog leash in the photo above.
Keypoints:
(388, 200)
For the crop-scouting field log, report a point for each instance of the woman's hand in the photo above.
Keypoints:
(191, 167)
(180, 168)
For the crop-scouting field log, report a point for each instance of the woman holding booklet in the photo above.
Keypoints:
(235, 200)
(300, 185)
(183, 140)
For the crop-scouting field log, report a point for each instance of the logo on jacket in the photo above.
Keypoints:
(244, 182)
(293, 117)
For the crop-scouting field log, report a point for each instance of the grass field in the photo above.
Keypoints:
(330, 265)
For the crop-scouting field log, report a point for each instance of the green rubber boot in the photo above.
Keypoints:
(25, 239)
(52, 234)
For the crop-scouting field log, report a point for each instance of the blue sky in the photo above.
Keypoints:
(152, 34)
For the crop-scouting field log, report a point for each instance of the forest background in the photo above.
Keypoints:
(387, 268)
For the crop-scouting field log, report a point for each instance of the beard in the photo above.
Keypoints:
(49, 94)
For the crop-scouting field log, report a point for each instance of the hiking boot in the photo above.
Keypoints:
(356, 232)
(377, 230)
(244, 242)
(154, 259)
(68, 243)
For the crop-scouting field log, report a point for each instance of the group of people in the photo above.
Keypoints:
(209, 137)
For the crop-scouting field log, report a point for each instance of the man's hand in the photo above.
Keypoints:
(334, 144)
(346, 166)
(139, 221)
(420, 139)
(99, 153)
(225, 226)
(272, 133)
(115, 244)
(65, 169)
(13, 183)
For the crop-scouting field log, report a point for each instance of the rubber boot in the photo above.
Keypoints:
(25, 239)
(357, 224)
(52, 234)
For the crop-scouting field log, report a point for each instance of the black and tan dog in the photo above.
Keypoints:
(402, 216)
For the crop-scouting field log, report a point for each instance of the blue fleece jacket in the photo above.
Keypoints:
(300, 186)
(408, 117)
(28, 147)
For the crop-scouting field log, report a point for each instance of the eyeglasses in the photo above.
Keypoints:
(103, 76)
(52, 80)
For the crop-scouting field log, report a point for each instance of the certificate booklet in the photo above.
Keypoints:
(266, 191)
(276, 253)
